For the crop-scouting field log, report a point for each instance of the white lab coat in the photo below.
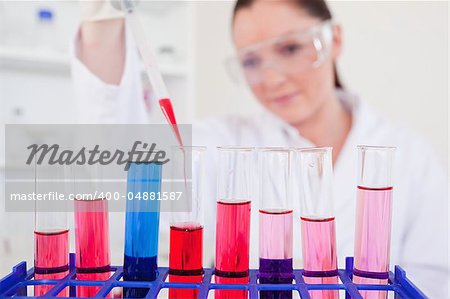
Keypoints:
(419, 230)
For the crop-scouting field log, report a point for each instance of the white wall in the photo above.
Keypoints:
(211, 42)
(216, 93)
(394, 56)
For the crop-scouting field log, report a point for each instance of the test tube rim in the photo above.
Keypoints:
(89, 200)
(235, 148)
(274, 149)
(376, 147)
(192, 147)
(314, 149)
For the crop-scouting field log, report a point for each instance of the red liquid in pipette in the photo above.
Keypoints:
(167, 109)
(51, 259)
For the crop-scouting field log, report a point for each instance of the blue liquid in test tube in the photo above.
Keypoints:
(141, 225)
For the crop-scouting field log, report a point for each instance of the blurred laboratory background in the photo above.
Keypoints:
(395, 57)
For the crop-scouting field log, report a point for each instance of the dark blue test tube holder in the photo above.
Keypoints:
(15, 284)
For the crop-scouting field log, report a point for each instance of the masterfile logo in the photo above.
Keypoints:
(57, 164)
(141, 152)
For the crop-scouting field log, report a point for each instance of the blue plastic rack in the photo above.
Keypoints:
(14, 285)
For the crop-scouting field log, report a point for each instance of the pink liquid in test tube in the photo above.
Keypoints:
(275, 220)
(373, 218)
(276, 233)
(319, 254)
(373, 234)
(317, 220)
(275, 247)
(92, 243)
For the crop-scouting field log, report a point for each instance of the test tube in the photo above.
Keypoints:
(51, 231)
(186, 225)
(233, 219)
(91, 242)
(317, 219)
(373, 217)
(141, 225)
(275, 220)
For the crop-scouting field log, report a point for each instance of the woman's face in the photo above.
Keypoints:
(294, 96)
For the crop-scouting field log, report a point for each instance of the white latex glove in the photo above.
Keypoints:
(98, 10)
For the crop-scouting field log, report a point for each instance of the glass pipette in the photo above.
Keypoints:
(151, 68)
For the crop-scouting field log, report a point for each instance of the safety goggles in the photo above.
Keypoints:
(290, 54)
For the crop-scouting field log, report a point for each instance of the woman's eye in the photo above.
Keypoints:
(290, 49)
(250, 62)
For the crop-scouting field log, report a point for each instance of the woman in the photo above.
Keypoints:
(288, 52)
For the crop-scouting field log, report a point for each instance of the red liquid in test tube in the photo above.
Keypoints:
(232, 246)
(51, 258)
(186, 244)
(233, 238)
(234, 180)
(186, 228)
(185, 259)
(233, 220)
(51, 233)
(92, 243)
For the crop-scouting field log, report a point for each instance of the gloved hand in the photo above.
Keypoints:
(98, 10)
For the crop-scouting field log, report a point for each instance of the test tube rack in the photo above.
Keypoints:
(15, 284)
